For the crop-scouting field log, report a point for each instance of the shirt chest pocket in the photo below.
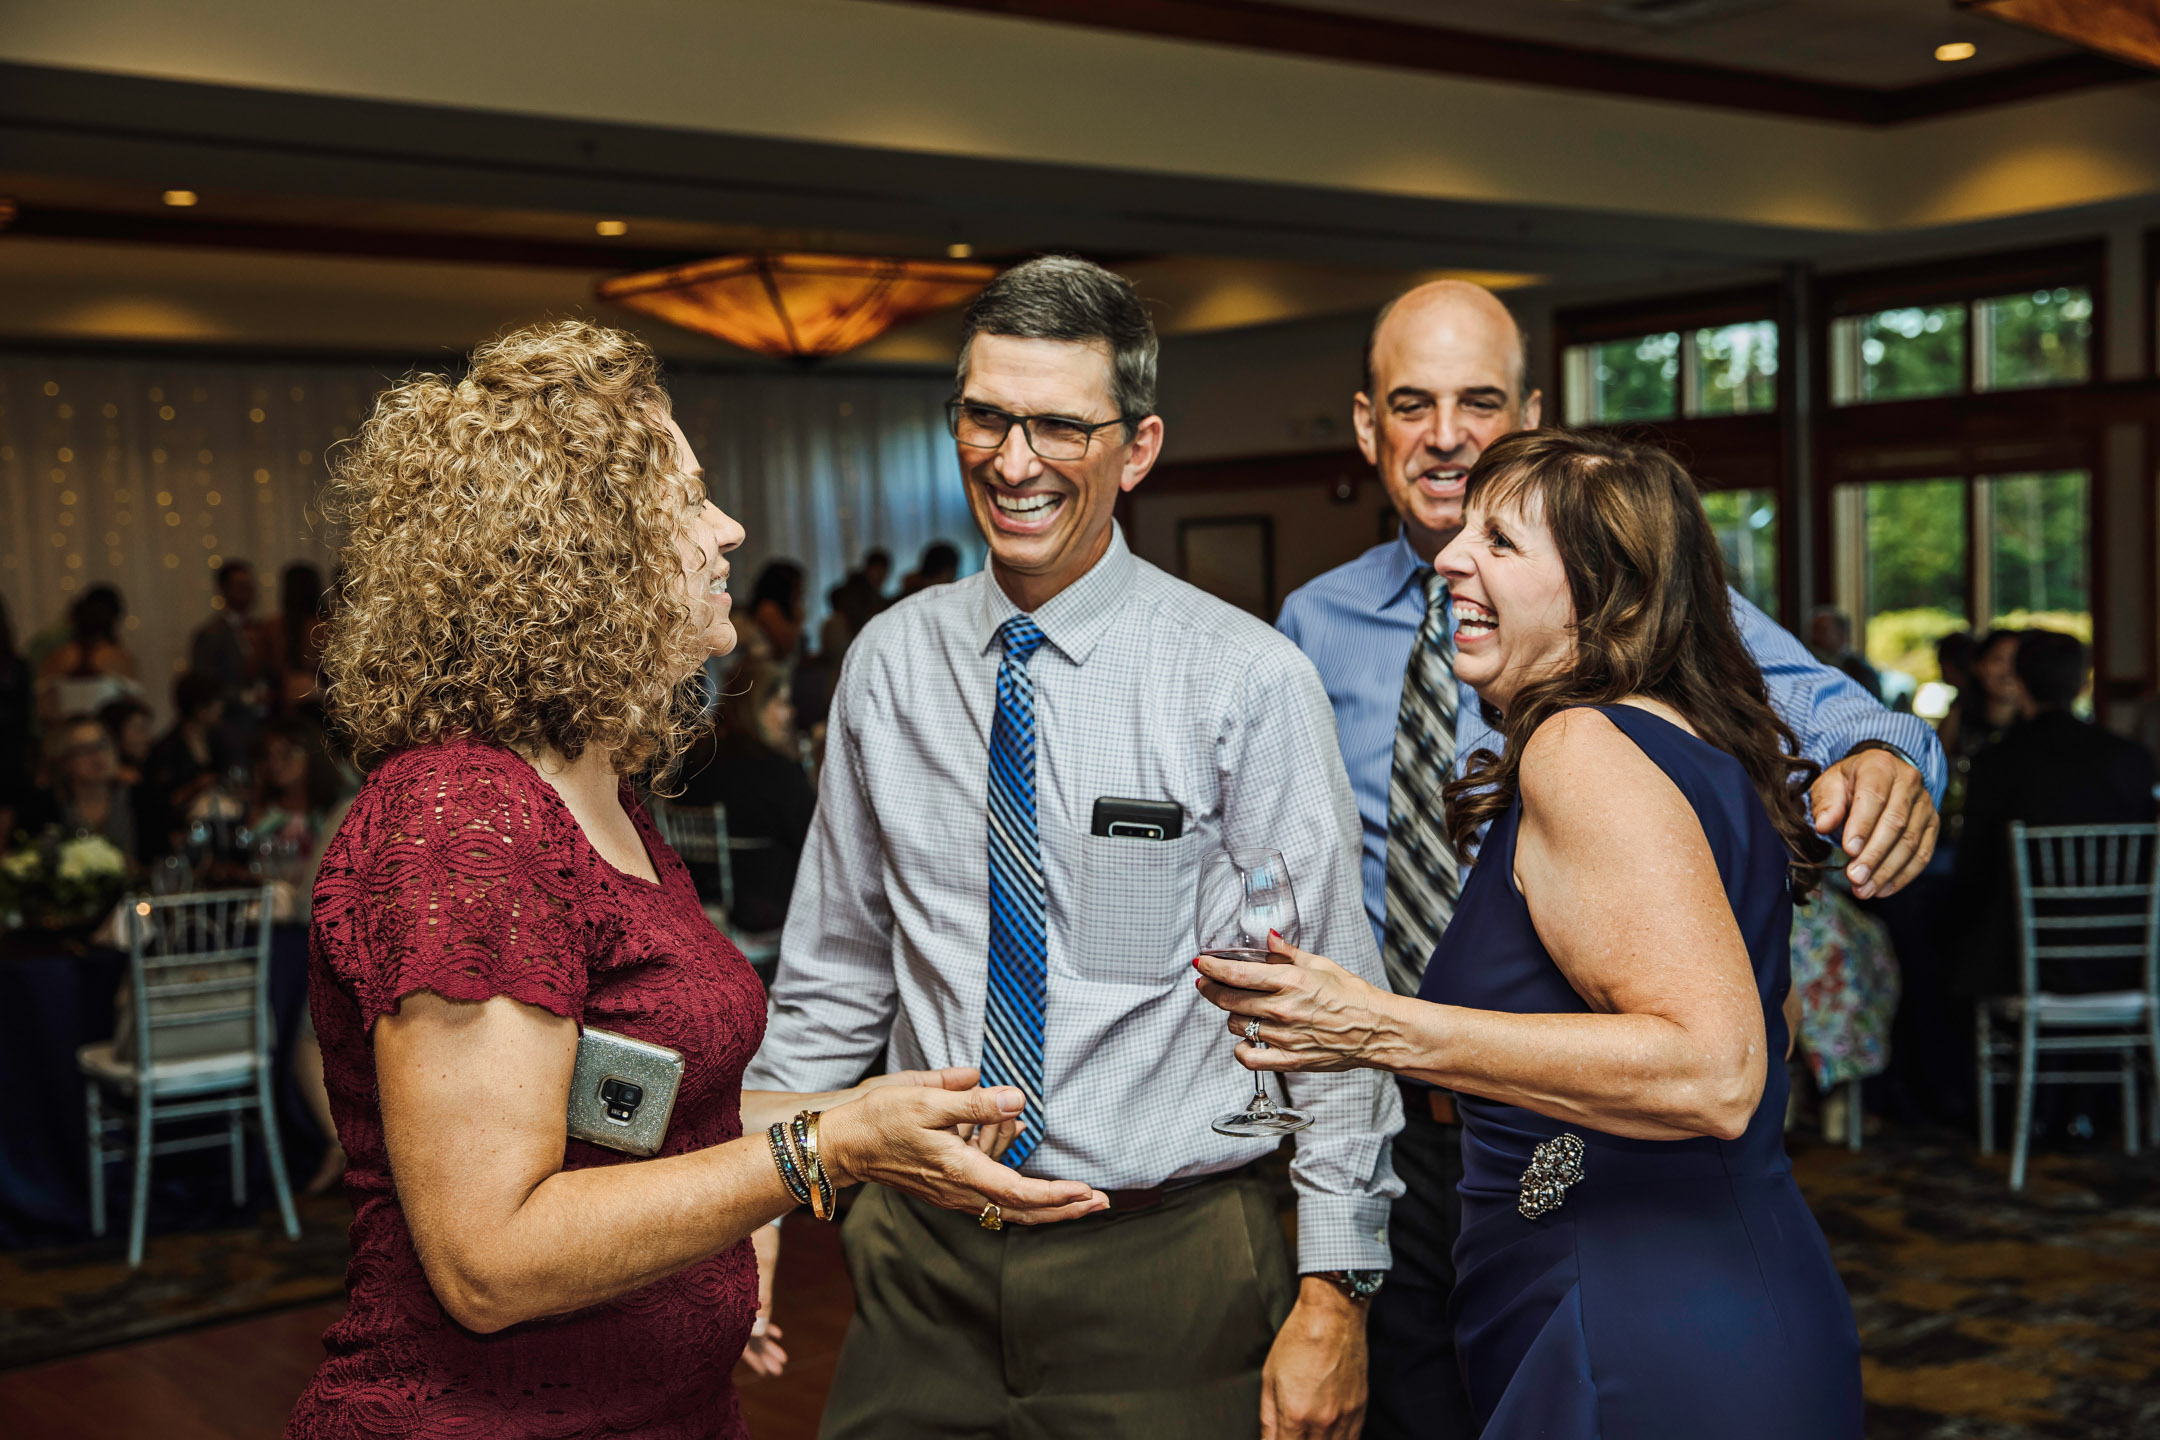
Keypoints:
(1134, 909)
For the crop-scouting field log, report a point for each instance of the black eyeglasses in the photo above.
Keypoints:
(984, 427)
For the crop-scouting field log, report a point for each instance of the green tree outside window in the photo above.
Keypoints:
(1910, 353)
(1916, 549)
(1735, 369)
(1638, 379)
(1747, 532)
(2031, 339)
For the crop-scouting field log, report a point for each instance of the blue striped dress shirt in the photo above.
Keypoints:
(1357, 623)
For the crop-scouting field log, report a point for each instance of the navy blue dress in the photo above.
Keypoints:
(1680, 1290)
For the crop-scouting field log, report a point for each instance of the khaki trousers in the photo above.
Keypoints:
(1149, 1324)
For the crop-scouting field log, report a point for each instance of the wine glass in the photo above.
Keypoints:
(1243, 896)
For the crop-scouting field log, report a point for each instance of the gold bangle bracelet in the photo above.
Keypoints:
(821, 1191)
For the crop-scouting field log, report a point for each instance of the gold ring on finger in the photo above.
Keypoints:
(991, 1218)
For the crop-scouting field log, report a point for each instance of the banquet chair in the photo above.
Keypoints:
(699, 834)
(195, 1043)
(2085, 893)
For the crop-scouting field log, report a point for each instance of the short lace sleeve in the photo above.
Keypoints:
(461, 878)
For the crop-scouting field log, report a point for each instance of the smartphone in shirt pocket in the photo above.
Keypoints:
(1138, 868)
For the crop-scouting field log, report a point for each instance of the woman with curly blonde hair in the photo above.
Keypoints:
(534, 576)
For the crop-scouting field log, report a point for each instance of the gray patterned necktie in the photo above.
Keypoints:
(1422, 878)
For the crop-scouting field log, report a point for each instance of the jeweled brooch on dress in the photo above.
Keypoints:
(1554, 1166)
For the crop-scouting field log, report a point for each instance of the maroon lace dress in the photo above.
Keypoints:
(459, 870)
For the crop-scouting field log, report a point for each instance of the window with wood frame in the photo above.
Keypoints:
(1703, 369)
(1944, 514)
(2017, 322)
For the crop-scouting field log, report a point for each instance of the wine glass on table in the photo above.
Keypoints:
(1243, 896)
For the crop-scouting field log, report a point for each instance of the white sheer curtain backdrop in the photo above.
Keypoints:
(150, 472)
(820, 469)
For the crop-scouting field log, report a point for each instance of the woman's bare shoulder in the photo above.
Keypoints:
(1582, 775)
(1574, 745)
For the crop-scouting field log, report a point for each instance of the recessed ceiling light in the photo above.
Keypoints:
(611, 227)
(181, 198)
(1956, 50)
(959, 250)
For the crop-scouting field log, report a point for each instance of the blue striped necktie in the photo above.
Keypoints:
(1019, 938)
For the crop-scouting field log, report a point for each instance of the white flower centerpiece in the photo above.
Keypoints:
(61, 882)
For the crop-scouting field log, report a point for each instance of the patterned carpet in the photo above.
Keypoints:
(1983, 1315)
(71, 1298)
(1986, 1315)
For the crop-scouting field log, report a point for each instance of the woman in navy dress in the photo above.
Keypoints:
(1607, 1001)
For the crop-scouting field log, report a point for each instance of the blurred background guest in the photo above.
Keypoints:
(2052, 769)
(301, 625)
(777, 614)
(1954, 655)
(91, 666)
(82, 791)
(854, 602)
(187, 761)
(296, 790)
(1830, 637)
(862, 595)
(128, 722)
(750, 764)
(1991, 705)
(940, 565)
(299, 798)
(232, 649)
(17, 699)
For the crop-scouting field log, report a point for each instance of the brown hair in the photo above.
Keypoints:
(512, 572)
(1653, 618)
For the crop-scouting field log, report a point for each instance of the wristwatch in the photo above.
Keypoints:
(1356, 1284)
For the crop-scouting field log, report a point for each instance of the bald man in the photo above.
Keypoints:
(1446, 376)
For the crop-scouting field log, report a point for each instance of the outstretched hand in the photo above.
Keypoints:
(1313, 1014)
(1889, 822)
(992, 1140)
(908, 1137)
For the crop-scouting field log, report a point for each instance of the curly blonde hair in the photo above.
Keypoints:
(511, 573)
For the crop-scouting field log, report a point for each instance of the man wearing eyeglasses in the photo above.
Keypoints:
(964, 901)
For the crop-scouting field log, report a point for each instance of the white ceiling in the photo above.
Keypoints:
(1876, 43)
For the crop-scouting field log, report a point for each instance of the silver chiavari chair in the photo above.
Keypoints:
(195, 1044)
(2085, 893)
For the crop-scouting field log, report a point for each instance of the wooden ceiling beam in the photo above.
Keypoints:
(1478, 55)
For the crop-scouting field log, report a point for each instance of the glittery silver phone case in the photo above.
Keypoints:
(622, 1092)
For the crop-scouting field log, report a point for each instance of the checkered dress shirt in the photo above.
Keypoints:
(1147, 689)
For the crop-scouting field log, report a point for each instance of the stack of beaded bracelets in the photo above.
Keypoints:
(795, 1154)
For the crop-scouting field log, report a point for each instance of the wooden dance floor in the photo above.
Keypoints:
(1983, 1314)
